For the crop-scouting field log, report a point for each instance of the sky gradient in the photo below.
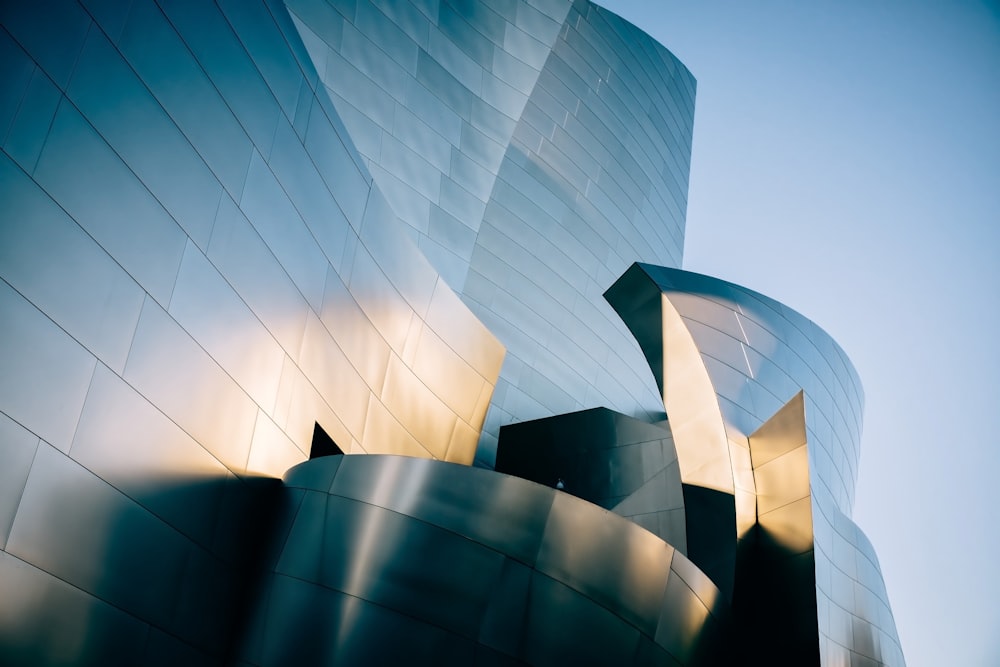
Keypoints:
(847, 163)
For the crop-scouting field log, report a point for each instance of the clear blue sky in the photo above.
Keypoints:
(847, 163)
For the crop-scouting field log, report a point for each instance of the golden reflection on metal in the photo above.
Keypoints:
(780, 458)
(693, 408)
(404, 511)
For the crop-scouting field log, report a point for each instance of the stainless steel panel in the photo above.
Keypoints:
(563, 626)
(218, 49)
(410, 639)
(174, 76)
(790, 525)
(127, 442)
(417, 409)
(46, 621)
(682, 620)
(272, 452)
(16, 73)
(124, 112)
(164, 650)
(208, 309)
(34, 116)
(18, 452)
(297, 618)
(267, 207)
(503, 627)
(249, 266)
(75, 526)
(294, 169)
(501, 512)
(262, 40)
(410, 167)
(394, 560)
(55, 265)
(44, 374)
(379, 299)
(613, 562)
(76, 168)
(334, 378)
(316, 476)
(169, 368)
(303, 556)
(782, 480)
(51, 31)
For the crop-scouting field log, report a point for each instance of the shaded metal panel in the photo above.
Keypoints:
(503, 626)
(684, 616)
(392, 560)
(55, 623)
(51, 32)
(90, 296)
(44, 374)
(78, 528)
(563, 626)
(132, 445)
(454, 498)
(18, 451)
(465, 575)
(606, 458)
(615, 563)
(131, 226)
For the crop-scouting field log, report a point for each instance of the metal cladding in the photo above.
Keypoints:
(606, 458)
(238, 235)
(787, 402)
(385, 560)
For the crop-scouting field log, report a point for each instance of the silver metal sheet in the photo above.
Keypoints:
(614, 562)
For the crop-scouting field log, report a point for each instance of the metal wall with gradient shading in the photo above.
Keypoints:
(533, 150)
(386, 560)
(765, 406)
(197, 268)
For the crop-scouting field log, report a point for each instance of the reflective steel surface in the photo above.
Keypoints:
(788, 401)
(226, 227)
(516, 571)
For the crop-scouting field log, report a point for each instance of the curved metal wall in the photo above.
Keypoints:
(388, 559)
(534, 151)
(595, 177)
(757, 355)
(197, 269)
(225, 223)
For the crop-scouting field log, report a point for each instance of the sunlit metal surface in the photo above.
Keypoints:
(499, 564)
(789, 404)
(532, 153)
(227, 224)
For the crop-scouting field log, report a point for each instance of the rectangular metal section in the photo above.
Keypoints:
(408, 565)
(212, 313)
(75, 526)
(501, 512)
(133, 446)
(613, 562)
(44, 374)
(169, 368)
(91, 295)
(131, 226)
(563, 626)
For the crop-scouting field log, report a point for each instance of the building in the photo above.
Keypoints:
(238, 236)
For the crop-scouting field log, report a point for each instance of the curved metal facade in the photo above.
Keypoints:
(231, 228)
(534, 152)
(765, 406)
(385, 560)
